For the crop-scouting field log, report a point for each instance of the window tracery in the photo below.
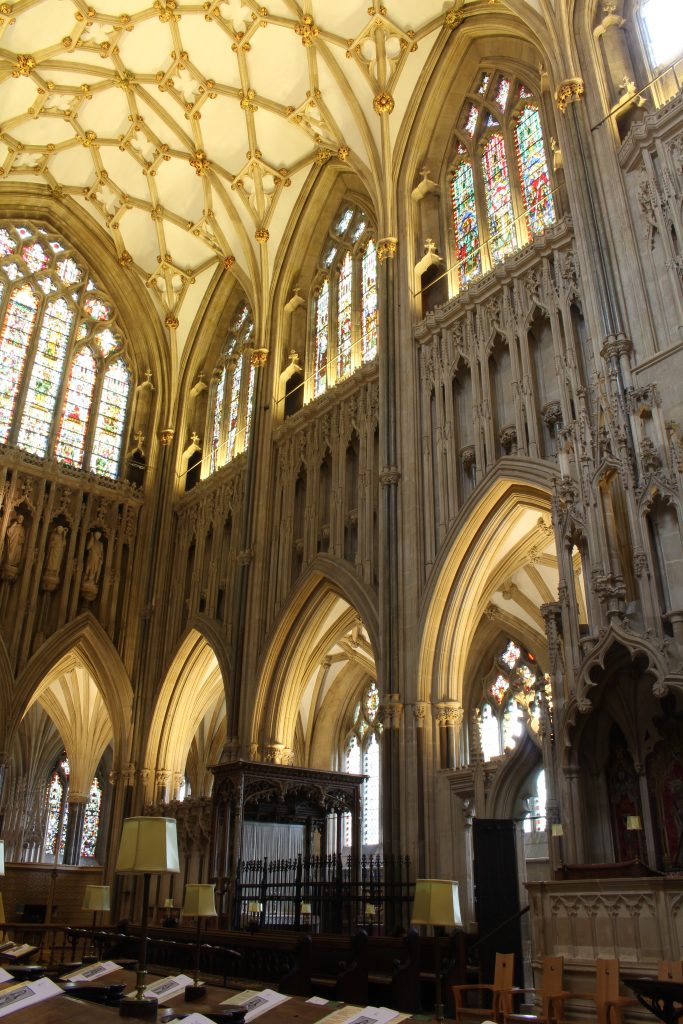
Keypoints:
(64, 379)
(57, 813)
(513, 696)
(500, 184)
(344, 315)
(233, 396)
(362, 756)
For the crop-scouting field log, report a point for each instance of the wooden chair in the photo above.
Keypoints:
(609, 1005)
(551, 995)
(670, 970)
(501, 993)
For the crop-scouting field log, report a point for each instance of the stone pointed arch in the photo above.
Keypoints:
(194, 684)
(327, 589)
(454, 600)
(84, 638)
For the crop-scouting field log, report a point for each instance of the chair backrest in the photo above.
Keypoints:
(551, 987)
(502, 983)
(606, 986)
(670, 970)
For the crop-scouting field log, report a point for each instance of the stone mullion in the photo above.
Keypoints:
(528, 395)
(69, 560)
(451, 432)
(109, 622)
(32, 604)
(486, 406)
(425, 427)
(81, 526)
(338, 489)
(364, 550)
(311, 508)
(289, 484)
(181, 543)
(439, 443)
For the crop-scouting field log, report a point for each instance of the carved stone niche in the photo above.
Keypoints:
(508, 439)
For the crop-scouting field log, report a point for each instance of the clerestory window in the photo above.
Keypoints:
(500, 184)
(344, 312)
(232, 401)
(662, 27)
(65, 383)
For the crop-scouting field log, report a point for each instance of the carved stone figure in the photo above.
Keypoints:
(93, 558)
(55, 549)
(14, 542)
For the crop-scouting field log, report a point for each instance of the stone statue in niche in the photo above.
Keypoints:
(14, 548)
(94, 556)
(53, 559)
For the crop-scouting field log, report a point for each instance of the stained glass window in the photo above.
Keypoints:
(465, 223)
(55, 795)
(322, 315)
(511, 702)
(217, 419)
(70, 445)
(369, 302)
(46, 376)
(489, 732)
(361, 754)
(485, 188)
(20, 317)
(49, 371)
(502, 238)
(344, 317)
(511, 654)
(91, 822)
(233, 413)
(533, 171)
(111, 416)
(232, 406)
(499, 688)
(344, 221)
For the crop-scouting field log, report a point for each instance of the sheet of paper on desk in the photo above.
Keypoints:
(19, 950)
(18, 997)
(192, 1018)
(366, 1015)
(318, 1001)
(5, 975)
(256, 1003)
(167, 988)
(92, 972)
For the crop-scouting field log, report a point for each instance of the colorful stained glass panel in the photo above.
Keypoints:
(502, 93)
(511, 654)
(16, 332)
(107, 342)
(369, 302)
(502, 237)
(70, 446)
(465, 223)
(217, 420)
(55, 791)
(7, 243)
(471, 119)
(91, 821)
(111, 419)
(97, 309)
(35, 257)
(344, 221)
(322, 317)
(234, 406)
(250, 403)
(499, 688)
(69, 271)
(533, 171)
(344, 317)
(46, 377)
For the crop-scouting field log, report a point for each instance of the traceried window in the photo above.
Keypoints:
(233, 392)
(662, 25)
(65, 384)
(344, 310)
(362, 757)
(57, 817)
(514, 693)
(500, 185)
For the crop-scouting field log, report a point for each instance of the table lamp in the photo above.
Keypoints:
(436, 902)
(200, 902)
(148, 846)
(95, 898)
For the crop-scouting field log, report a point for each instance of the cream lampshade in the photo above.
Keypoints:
(306, 908)
(633, 823)
(370, 909)
(148, 845)
(96, 897)
(556, 830)
(254, 907)
(436, 903)
(200, 902)
(168, 903)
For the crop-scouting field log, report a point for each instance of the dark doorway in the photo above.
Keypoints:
(496, 894)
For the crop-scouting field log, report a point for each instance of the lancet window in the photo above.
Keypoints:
(661, 23)
(233, 392)
(65, 383)
(362, 757)
(515, 692)
(500, 183)
(344, 312)
(57, 817)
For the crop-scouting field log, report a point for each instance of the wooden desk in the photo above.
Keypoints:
(67, 1010)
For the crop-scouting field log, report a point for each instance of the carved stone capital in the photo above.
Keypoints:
(386, 248)
(166, 436)
(420, 713)
(449, 713)
(572, 90)
(259, 357)
(390, 476)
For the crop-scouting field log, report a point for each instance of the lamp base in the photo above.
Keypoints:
(193, 993)
(142, 1009)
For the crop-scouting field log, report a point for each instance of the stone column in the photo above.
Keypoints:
(391, 711)
(420, 712)
(74, 827)
(4, 770)
(162, 779)
(450, 715)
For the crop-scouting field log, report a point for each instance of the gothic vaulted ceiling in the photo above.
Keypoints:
(189, 130)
